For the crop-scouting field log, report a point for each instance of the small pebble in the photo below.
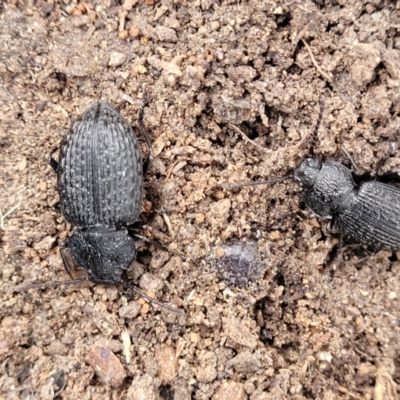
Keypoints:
(107, 366)
(126, 344)
(141, 69)
(145, 309)
(81, 7)
(237, 331)
(171, 68)
(159, 259)
(134, 32)
(242, 74)
(194, 337)
(123, 34)
(45, 244)
(43, 186)
(230, 390)
(206, 374)
(164, 34)
(130, 311)
(246, 362)
(142, 388)
(57, 348)
(70, 9)
(128, 4)
(80, 21)
(22, 164)
(200, 218)
(150, 283)
(274, 235)
(41, 106)
(167, 362)
(219, 252)
(116, 59)
(215, 25)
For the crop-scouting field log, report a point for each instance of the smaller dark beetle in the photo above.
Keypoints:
(100, 183)
(368, 212)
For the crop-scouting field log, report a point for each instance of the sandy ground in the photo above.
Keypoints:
(311, 327)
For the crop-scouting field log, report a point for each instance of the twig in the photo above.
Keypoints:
(245, 137)
(168, 223)
(4, 216)
(171, 169)
(273, 152)
(345, 391)
(315, 62)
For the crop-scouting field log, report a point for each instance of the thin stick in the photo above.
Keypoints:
(324, 75)
(245, 137)
(170, 170)
(4, 216)
(45, 285)
(348, 155)
(168, 223)
(345, 391)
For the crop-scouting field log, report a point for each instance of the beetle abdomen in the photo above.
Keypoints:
(372, 216)
(100, 174)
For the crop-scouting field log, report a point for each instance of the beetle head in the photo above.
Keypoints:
(104, 254)
(307, 172)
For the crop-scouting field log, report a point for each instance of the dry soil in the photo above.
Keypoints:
(313, 327)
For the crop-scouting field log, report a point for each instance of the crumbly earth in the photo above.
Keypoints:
(313, 327)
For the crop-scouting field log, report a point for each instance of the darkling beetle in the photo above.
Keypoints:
(368, 212)
(100, 184)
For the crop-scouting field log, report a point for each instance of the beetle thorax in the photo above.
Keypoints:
(326, 189)
(104, 253)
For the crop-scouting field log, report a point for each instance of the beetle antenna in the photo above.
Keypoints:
(143, 131)
(44, 285)
(150, 299)
(314, 136)
(257, 183)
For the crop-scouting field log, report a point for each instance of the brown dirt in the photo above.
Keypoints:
(307, 330)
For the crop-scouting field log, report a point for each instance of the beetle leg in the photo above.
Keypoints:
(44, 285)
(146, 165)
(149, 299)
(159, 245)
(335, 256)
(57, 207)
(137, 226)
(53, 163)
(74, 271)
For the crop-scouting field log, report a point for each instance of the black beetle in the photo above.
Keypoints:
(368, 212)
(100, 184)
